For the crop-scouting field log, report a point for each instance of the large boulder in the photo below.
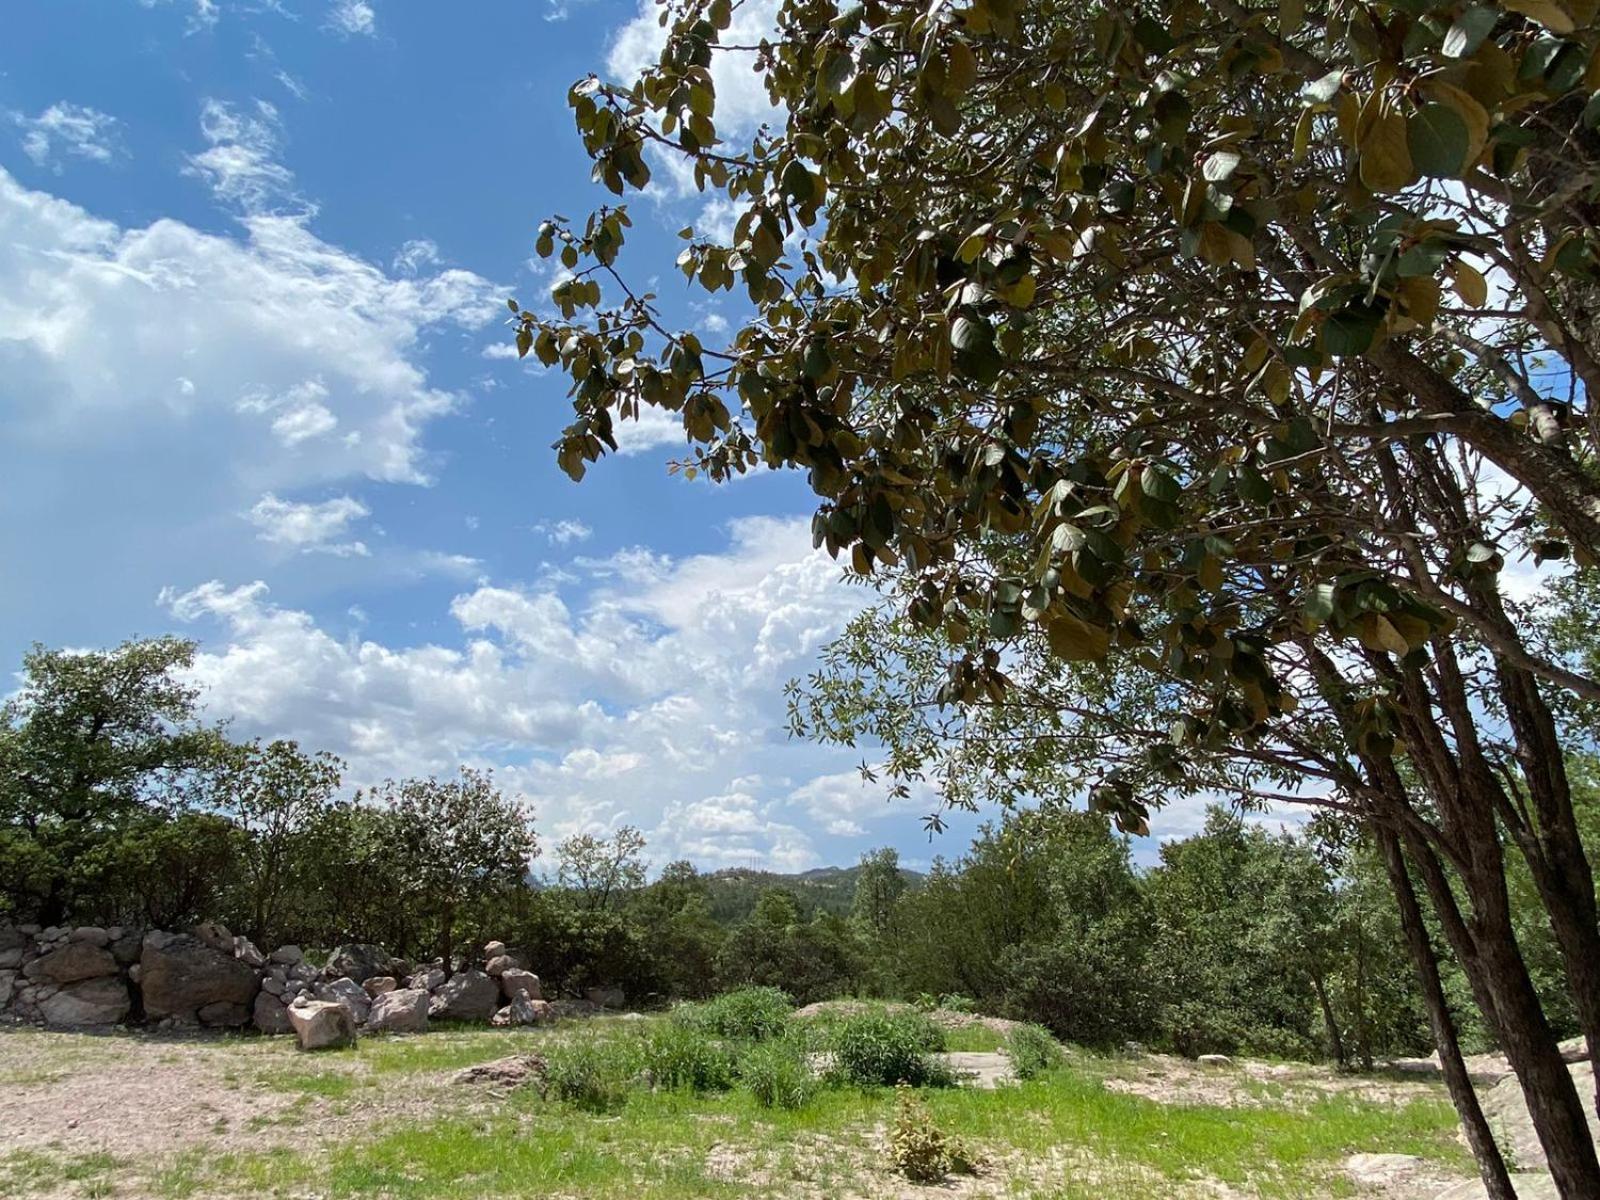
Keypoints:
(519, 983)
(179, 975)
(359, 961)
(500, 964)
(466, 996)
(270, 1014)
(404, 1010)
(92, 934)
(100, 1001)
(348, 993)
(321, 1024)
(287, 955)
(72, 962)
(428, 980)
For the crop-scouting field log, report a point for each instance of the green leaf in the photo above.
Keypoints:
(1469, 30)
(1437, 139)
(1350, 330)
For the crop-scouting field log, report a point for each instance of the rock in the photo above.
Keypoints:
(1380, 1170)
(1507, 1113)
(304, 972)
(92, 934)
(72, 962)
(272, 987)
(427, 980)
(101, 1001)
(126, 946)
(1214, 1060)
(1574, 1050)
(10, 958)
(1527, 1185)
(223, 1014)
(493, 950)
(270, 1014)
(8, 985)
(321, 1024)
(348, 993)
(517, 982)
(605, 997)
(379, 984)
(214, 934)
(287, 955)
(523, 1011)
(246, 952)
(500, 964)
(466, 996)
(404, 1010)
(179, 974)
(504, 1072)
(359, 961)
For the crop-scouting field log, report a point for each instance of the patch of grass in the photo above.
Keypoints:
(748, 1014)
(883, 1049)
(682, 1058)
(777, 1074)
(1032, 1051)
(24, 1172)
(594, 1076)
(973, 1038)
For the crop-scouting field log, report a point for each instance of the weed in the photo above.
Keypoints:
(919, 1149)
(1032, 1051)
(777, 1074)
(875, 1049)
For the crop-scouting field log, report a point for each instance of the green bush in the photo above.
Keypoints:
(875, 1049)
(778, 1074)
(1032, 1051)
(680, 1057)
(919, 1149)
(591, 1075)
(749, 1014)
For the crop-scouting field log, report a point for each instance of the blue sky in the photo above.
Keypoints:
(253, 262)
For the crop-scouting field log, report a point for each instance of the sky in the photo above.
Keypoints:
(258, 391)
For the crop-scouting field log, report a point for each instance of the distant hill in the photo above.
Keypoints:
(733, 890)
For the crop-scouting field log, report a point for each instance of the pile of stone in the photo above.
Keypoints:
(207, 977)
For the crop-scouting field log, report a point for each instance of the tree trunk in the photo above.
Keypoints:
(1491, 1163)
(1329, 1021)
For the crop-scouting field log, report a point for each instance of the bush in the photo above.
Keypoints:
(877, 1049)
(778, 1074)
(919, 1149)
(749, 1014)
(1032, 1051)
(682, 1058)
(591, 1075)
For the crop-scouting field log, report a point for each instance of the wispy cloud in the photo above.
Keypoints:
(66, 130)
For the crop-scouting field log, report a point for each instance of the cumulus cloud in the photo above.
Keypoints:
(308, 527)
(66, 130)
(648, 692)
(563, 532)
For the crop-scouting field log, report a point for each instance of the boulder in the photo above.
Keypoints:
(517, 982)
(214, 934)
(10, 958)
(500, 964)
(359, 961)
(100, 1001)
(1507, 1113)
(466, 996)
(92, 934)
(1214, 1060)
(270, 1014)
(321, 1024)
(379, 984)
(72, 962)
(126, 946)
(404, 1010)
(287, 955)
(273, 986)
(179, 975)
(504, 1072)
(223, 1014)
(348, 993)
(493, 950)
(605, 997)
(8, 985)
(523, 1011)
(428, 980)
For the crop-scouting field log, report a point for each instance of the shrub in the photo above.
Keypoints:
(683, 1058)
(749, 1014)
(875, 1049)
(919, 1149)
(591, 1075)
(778, 1074)
(957, 1003)
(1032, 1051)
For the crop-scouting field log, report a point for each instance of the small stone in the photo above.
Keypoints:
(72, 962)
(427, 980)
(223, 1014)
(1214, 1060)
(272, 987)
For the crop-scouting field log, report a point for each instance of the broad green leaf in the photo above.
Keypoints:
(1469, 29)
(1436, 137)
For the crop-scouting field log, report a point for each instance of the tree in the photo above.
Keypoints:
(879, 886)
(461, 839)
(91, 741)
(602, 870)
(278, 794)
(1117, 334)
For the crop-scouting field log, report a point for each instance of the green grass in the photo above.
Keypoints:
(1062, 1135)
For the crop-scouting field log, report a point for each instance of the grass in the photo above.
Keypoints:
(1062, 1135)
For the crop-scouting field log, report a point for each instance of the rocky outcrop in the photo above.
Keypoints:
(189, 980)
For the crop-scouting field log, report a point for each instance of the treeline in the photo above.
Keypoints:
(118, 805)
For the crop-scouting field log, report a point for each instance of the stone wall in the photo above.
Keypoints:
(88, 977)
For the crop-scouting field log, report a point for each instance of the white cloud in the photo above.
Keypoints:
(66, 130)
(414, 256)
(353, 18)
(563, 532)
(654, 698)
(307, 527)
(241, 166)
